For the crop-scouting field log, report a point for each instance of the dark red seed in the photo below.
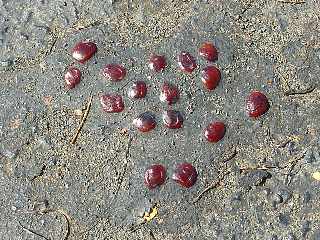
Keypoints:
(257, 104)
(145, 122)
(155, 176)
(114, 72)
(169, 93)
(208, 51)
(138, 90)
(112, 103)
(186, 62)
(185, 174)
(72, 77)
(210, 77)
(172, 119)
(157, 63)
(83, 51)
(215, 131)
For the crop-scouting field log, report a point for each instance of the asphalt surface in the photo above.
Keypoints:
(263, 173)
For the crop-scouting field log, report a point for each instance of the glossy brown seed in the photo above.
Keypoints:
(186, 62)
(72, 77)
(215, 131)
(138, 90)
(145, 122)
(257, 104)
(185, 174)
(208, 51)
(172, 119)
(210, 77)
(112, 103)
(83, 51)
(155, 176)
(157, 63)
(169, 93)
(114, 72)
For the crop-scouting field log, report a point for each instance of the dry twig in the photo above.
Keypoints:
(302, 92)
(291, 163)
(214, 184)
(67, 218)
(125, 166)
(43, 209)
(152, 235)
(84, 118)
(137, 226)
(32, 231)
(229, 155)
(292, 1)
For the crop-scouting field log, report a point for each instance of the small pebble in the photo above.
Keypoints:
(316, 235)
(316, 176)
(40, 206)
(306, 197)
(290, 237)
(308, 156)
(10, 154)
(283, 219)
(254, 178)
(267, 191)
(236, 197)
(291, 147)
(305, 228)
(5, 64)
(284, 194)
(274, 237)
(44, 143)
(276, 199)
(53, 162)
(111, 2)
(316, 154)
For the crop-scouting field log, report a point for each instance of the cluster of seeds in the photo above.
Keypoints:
(185, 174)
